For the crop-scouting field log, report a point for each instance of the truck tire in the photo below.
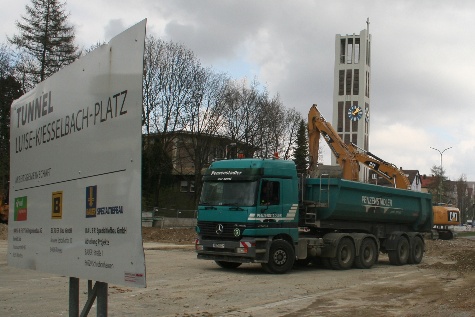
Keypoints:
(401, 254)
(345, 255)
(228, 265)
(368, 254)
(417, 251)
(281, 257)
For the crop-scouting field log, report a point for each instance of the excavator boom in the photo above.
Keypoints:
(345, 157)
(348, 156)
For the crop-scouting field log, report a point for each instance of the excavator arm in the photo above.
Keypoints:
(388, 171)
(348, 156)
(345, 157)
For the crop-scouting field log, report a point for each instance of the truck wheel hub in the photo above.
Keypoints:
(280, 257)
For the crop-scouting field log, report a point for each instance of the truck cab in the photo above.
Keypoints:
(245, 205)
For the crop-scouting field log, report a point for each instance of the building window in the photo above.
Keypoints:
(356, 82)
(341, 82)
(357, 51)
(348, 81)
(340, 116)
(349, 56)
(342, 51)
(184, 186)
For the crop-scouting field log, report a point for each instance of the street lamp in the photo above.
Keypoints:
(441, 152)
(440, 179)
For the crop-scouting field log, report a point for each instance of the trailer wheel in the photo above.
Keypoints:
(345, 255)
(417, 251)
(281, 257)
(368, 254)
(228, 265)
(401, 254)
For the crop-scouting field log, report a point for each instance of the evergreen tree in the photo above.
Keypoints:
(440, 187)
(301, 149)
(46, 39)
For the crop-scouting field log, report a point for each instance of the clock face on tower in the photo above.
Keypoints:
(355, 113)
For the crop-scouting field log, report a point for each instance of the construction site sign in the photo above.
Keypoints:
(75, 175)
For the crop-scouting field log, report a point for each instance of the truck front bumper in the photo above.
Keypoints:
(246, 250)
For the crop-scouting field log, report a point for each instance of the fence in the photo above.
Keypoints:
(169, 218)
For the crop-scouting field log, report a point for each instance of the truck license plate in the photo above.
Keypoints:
(218, 245)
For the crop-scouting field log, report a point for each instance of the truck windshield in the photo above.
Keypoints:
(242, 193)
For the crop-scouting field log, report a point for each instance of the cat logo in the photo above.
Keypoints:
(453, 216)
(57, 205)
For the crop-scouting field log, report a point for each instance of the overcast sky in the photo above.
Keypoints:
(423, 60)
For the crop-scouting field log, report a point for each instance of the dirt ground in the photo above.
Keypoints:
(179, 285)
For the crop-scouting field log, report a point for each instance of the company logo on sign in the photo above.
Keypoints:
(57, 206)
(91, 201)
(20, 213)
(91, 205)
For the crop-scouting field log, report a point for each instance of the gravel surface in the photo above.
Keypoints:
(180, 285)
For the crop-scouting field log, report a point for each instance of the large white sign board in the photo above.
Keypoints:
(75, 177)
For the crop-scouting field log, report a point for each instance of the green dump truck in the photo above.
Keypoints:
(260, 211)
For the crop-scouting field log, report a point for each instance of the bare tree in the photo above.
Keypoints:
(203, 119)
(171, 78)
(242, 114)
(464, 202)
(291, 125)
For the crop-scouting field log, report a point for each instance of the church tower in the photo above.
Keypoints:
(351, 92)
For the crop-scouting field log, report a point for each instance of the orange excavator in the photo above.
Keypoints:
(349, 157)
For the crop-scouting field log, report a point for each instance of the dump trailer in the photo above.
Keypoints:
(261, 211)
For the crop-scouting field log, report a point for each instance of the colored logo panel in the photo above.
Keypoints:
(91, 201)
(57, 207)
(453, 216)
(20, 212)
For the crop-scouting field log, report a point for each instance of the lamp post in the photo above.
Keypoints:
(440, 178)
(441, 152)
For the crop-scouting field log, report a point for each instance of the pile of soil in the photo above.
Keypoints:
(458, 255)
(169, 235)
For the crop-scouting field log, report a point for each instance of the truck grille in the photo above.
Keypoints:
(220, 230)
